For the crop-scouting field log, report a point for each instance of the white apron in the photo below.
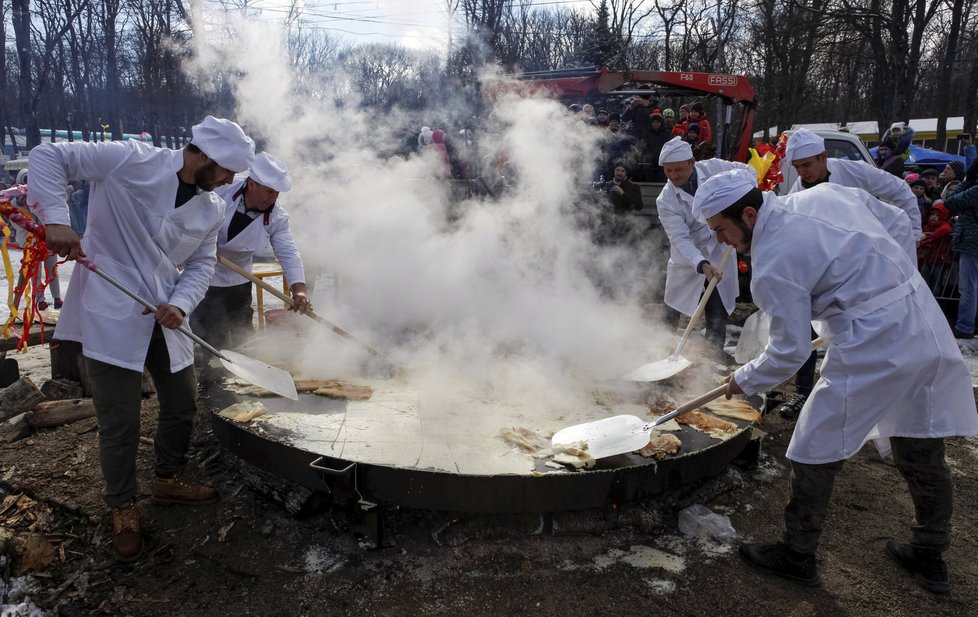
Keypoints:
(892, 368)
(134, 233)
(690, 242)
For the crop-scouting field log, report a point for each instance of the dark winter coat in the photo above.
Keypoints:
(964, 203)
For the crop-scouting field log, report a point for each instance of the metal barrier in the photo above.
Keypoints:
(938, 264)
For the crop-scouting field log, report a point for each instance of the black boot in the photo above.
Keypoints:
(780, 560)
(790, 409)
(927, 565)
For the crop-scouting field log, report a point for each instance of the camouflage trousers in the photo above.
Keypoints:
(920, 461)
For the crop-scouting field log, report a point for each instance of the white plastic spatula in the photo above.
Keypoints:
(664, 369)
(622, 434)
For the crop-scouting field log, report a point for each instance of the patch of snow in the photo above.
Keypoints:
(17, 592)
(320, 561)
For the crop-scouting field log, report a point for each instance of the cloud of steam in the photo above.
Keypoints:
(513, 292)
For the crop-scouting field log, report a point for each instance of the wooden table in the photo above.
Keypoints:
(276, 270)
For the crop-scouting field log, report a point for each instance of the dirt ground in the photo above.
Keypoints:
(246, 555)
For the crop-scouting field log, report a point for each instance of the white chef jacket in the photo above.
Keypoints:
(241, 249)
(135, 235)
(892, 368)
(691, 241)
(879, 183)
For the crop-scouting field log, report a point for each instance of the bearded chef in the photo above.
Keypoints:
(252, 218)
(694, 254)
(892, 368)
(805, 151)
(152, 225)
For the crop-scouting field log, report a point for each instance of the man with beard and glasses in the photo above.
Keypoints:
(891, 369)
(152, 224)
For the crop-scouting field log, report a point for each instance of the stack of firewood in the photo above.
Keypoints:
(24, 407)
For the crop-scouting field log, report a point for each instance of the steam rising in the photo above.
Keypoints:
(513, 293)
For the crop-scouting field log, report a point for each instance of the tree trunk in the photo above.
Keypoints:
(947, 68)
(114, 116)
(22, 35)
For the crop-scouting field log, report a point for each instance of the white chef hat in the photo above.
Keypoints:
(271, 172)
(224, 142)
(675, 151)
(721, 191)
(803, 144)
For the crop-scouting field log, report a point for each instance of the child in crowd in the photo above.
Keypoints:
(934, 253)
(924, 202)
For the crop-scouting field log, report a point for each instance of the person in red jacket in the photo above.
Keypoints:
(934, 254)
(698, 115)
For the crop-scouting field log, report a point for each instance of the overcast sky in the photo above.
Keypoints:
(416, 24)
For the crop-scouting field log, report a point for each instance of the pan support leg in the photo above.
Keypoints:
(750, 456)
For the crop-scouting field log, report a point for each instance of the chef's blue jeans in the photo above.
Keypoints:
(118, 393)
(920, 461)
(968, 288)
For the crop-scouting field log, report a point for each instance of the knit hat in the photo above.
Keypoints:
(930, 171)
(675, 151)
(271, 172)
(721, 191)
(803, 144)
(668, 113)
(224, 143)
(888, 143)
(958, 168)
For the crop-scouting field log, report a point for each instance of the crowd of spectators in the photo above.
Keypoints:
(947, 253)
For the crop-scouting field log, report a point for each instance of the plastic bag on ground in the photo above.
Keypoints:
(698, 520)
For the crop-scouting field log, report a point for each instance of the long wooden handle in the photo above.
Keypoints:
(33, 227)
(703, 399)
(699, 401)
(149, 305)
(701, 306)
(230, 265)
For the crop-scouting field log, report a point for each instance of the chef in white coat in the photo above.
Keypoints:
(805, 151)
(892, 368)
(153, 223)
(694, 254)
(252, 218)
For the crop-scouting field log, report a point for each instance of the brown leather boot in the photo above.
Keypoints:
(127, 533)
(175, 490)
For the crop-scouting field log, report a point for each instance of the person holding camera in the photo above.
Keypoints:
(624, 194)
(968, 149)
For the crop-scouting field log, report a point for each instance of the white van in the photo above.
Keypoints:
(838, 145)
(11, 169)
